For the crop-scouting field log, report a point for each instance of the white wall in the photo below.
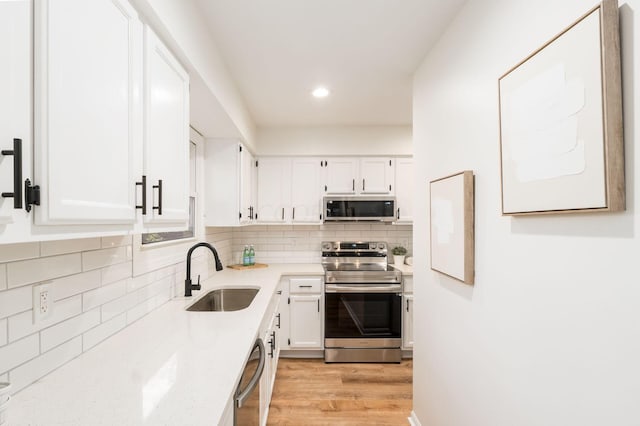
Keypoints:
(550, 333)
(335, 140)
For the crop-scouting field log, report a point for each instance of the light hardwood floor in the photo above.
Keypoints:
(310, 392)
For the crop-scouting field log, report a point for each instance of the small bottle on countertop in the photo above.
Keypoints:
(252, 255)
(245, 256)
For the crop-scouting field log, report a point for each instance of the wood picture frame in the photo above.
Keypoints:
(561, 136)
(451, 210)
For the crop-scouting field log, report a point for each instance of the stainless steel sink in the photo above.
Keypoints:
(225, 299)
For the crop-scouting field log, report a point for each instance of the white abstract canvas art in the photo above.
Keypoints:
(552, 127)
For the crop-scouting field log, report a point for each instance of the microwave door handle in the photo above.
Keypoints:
(244, 394)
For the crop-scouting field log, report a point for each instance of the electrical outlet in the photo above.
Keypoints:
(42, 303)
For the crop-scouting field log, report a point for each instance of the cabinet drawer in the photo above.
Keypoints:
(305, 285)
(407, 283)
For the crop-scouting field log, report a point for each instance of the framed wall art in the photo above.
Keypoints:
(561, 141)
(452, 221)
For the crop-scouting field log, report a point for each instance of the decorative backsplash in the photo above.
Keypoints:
(301, 243)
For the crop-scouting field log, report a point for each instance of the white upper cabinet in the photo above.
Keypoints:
(87, 110)
(15, 117)
(358, 176)
(166, 136)
(274, 189)
(228, 177)
(305, 190)
(404, 189)
(340, 175)
(376, 176)
(289, 190)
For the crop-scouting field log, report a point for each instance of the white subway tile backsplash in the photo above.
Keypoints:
(120, 305)
(117, 241)
(101, 295)
(15, 300)
(116, 272)
(18, 352)
(104, 330)
(75, 284)
(3, 277)
(4, 377)
(3, 332)
(104, 257)
(22, 324)
(52, 248)
(45, 268)
(20, 251)
(140, 310)
(44, 364)
(66, 330)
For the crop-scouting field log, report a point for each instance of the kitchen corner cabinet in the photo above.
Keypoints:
(166, 136)
(404, 190)
(407, 317)
(306, 313)
(87, 110)
(229, 169)
(359, 176)
(289, 190)
(15, 116)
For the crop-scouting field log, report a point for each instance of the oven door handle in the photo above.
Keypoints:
(337, 288)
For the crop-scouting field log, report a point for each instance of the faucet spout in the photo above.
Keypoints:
(188, 286)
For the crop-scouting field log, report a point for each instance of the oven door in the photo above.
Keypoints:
(352, 312)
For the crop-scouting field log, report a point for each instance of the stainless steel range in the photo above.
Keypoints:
(363, 303)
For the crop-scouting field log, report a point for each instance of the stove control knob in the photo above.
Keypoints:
(372, 246)
(326, 246)
(335, 246)
(381, 246)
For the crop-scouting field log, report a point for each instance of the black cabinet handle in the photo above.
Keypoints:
(318, 305)
(143, 184)
(17, 173)
(283, 213)
(159, 206)
(304, 286)
(353, 184)
(398, 213)
(278, 323)
(293, 214)
(407, 305)
(363, 184)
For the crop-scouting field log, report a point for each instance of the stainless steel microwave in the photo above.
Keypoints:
(359, 209)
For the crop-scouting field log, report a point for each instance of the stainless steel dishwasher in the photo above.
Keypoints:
(247, 396)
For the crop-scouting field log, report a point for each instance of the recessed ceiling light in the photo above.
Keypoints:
(320, 92)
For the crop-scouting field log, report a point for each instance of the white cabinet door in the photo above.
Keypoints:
(340, 176)
(166, 139)
(274, 190)
(87, 110)
(15, 115)
(247, 171)
(305, 321)
(404, 189)
(305, 190)
(407, 332)
(376, 176)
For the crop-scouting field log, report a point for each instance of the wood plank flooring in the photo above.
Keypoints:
(310, 392)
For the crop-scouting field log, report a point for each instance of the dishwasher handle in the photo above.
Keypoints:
(242, 396)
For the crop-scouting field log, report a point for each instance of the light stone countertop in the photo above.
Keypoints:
(171, 367)
(405, 269)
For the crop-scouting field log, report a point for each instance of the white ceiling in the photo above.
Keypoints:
(364, 51)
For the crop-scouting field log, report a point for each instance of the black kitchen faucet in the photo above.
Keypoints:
(187, 283)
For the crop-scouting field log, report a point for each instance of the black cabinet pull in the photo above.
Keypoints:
(159, 206)
(17, 173)
(293, 214)
(407, 305)
(353, 185)
(363, 184)
(143, 184)
(283, 213)
(278, 323)
(318, 305)
(304, 286)
(398, 213)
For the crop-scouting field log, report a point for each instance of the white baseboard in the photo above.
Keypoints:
(413, 419)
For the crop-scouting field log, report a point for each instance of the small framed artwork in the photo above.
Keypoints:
(451, 202)
(561, 141)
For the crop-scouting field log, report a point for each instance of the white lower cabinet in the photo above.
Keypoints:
(270, 331)
(407, 316)
(303, 322)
